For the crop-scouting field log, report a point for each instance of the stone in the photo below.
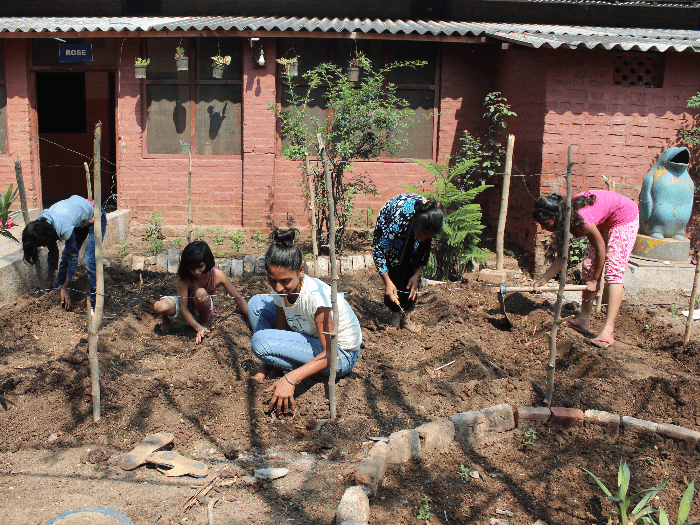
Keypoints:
(609, 422)
(137, 263)
(686, 436)
(224, 265)
(492, 276)
(499, 417)
(345, 265)
(470, 428)
(358, 263)
(324, 266)
(150, 261)
(52, 438)
(566, 417)
(371, 470)
(237, 268)
(248, 265)
(532, 416)
(369, 261)
(404, 446)
(162, 262)
(127, 262)
(271, 473)
(353, 506)
(173, 260)
(640, 426)
(436, 436)
(260, 266)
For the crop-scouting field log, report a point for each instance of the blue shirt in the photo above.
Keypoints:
(66, 215)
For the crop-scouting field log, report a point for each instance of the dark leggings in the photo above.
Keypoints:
(400, 275)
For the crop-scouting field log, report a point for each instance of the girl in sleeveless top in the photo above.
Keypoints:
(197, 283)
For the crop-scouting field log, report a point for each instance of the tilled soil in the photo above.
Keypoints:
(54, 457)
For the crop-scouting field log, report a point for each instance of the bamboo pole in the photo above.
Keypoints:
(189, 199)
(312, 209)
(89, 185)
(334, 276)
(551, 366)
(95, 318)
(505, 192)
(20, 187)
(693, 296)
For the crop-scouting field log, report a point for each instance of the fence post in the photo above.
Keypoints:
(693, 295)
(312, 209)
(505, 192)
(20, 187)
(189, 198)
(551, 366)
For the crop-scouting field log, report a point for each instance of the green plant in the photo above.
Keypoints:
(683, 508)
(309, 255)
(179, 52)
(284, 61)
(463, 472)
(455, 249)
(154, 233)
(237, 240)
(577, 249)
(364, 120)
(648, 461)
(674, 310)
(218, 235)
(423, 510)
(356, 60)
(179, 242)
(123, 249)
(142, 61)
(220, 61)
(259, 238)
(199, 235)
(642, 511)
(5, 214)
(530, 436)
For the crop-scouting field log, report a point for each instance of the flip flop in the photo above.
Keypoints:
(177, 464)
(150, 444)
(601, 343)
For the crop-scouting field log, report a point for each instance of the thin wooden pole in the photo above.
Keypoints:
(89, 184)
(693, 296)
(334, 276)
(189, 199)
(599, 293)
(20, 187)
(551, 366)
(505, 192)
(312, 209)
(95, 318)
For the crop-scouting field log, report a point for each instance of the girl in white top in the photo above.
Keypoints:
(292, 325)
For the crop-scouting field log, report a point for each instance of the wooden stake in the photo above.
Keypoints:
(505, 192)
(551, 366)
(87, 176)
(334, 276)
(189, 199)
(312, 209)
(20, 187)
(95, 319)
(693, 296)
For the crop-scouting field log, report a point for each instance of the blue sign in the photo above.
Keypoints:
(75, 52)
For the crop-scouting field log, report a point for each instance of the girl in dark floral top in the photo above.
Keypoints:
(403, 236)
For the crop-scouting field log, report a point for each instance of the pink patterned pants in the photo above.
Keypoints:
(619, 242)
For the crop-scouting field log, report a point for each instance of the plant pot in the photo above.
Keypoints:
(181, 63)
(140, 71)
(353, 74)
(218, 71)
(293, 69)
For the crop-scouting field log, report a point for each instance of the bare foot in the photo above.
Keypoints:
(262, 373)
(165, 324)
(580, 324)
(411, 326)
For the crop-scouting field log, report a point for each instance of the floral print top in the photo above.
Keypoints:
(393, 229)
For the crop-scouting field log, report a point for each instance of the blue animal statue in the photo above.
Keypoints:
(666, 199)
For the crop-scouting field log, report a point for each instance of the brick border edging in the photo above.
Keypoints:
(469, 429)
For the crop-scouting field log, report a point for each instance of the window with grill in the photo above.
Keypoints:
(415, 85)
(639, 69)
(191, 107)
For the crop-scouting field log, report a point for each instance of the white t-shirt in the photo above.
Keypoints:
(315, 294)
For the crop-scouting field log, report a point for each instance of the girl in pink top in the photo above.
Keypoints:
(610, 222)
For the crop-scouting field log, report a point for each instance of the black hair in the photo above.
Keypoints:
(192, 256)
(428, 217)
(37, 233)
(552, 207)
(283, 253)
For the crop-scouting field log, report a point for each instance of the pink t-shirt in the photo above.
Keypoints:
(609, 210)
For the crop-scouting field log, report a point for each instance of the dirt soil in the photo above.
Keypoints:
(54, 457)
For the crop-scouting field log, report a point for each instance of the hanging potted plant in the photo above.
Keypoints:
(219, 64)
(140, 66)
(291, 65)
(354, 66)
(181, 61)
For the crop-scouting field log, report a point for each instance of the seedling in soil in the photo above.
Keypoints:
(199, 235)
(178, 243)
(123, 249)
(530, 436)
(237, 240)
(464, 472)
(260, 237)
(674, 310)
(154, 234)
(648, 461)
(642, 511)
(423, 510)
(218, 236)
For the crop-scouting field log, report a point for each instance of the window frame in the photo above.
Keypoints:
(192, 82)
(385, 51)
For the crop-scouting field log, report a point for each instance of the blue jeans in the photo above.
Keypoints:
(285, 349)
(69, 257)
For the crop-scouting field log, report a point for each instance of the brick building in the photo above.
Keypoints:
(617, 95)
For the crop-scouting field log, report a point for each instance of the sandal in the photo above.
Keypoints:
(601, 342)
(177, 465)
(150, 444)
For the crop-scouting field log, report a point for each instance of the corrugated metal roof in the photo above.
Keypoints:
(531, 35)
